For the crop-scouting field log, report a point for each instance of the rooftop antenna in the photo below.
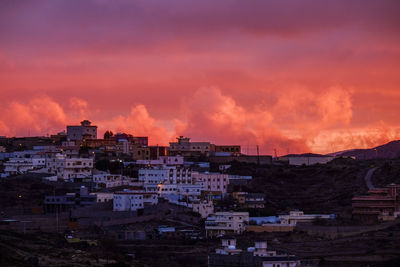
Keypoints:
(258, 155)
(276, 154)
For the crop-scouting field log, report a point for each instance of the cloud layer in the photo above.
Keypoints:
(295, 76)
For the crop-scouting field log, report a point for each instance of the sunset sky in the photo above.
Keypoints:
(298, 76)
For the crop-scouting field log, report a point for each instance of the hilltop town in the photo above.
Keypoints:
(78, 199)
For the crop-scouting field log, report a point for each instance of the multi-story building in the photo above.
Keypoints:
(187, 191)
(106, 180)
(83, 131)
(186, 148)
(73, 168)
(212, 182)
(140, 152)
(132, 200)
(379, 204)
(15, 166)
(152, 177)
(222, 223)
(164, 160)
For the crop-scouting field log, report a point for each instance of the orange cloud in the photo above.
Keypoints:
(139, 123)
(39, 116)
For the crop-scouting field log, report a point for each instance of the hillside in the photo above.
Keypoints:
(325, 188)
(388, 151)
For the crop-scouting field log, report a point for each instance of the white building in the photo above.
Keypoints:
(212, 182)
(15, 166)
(106, 180)
(103, 196)
(73, 168)
(163, 160)
(204, 208)
(83, 131)
(190, 192)
(229, 255)
(295, 217)
(226, 223)
(130, 200)
(152, 177)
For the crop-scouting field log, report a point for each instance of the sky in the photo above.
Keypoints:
(293, 76)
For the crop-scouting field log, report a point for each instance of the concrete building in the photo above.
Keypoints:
(83, 131)
(204, 208)
(164, 160)
(21, 165)
(226, 223)
(140, 153)
(295, 217)
(73, 169)
(232, 150)
(106, 180)
(152, 177)
(212, 182)
(379, 204)
(229, 255)
(250, 200)
(69, 201)
(184, 191)
(132, 200)
(103, 196)
(186, 148)
(308, 159)
(15, 166)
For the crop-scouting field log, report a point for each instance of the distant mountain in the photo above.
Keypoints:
(389, 151)
(306, 155)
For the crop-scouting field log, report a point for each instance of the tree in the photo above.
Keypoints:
(108, 134)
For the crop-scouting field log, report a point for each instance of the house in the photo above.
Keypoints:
(226, 223)
(379, 204)
(229, 255)
(132, 200)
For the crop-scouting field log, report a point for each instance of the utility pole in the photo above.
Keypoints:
(258, 155)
